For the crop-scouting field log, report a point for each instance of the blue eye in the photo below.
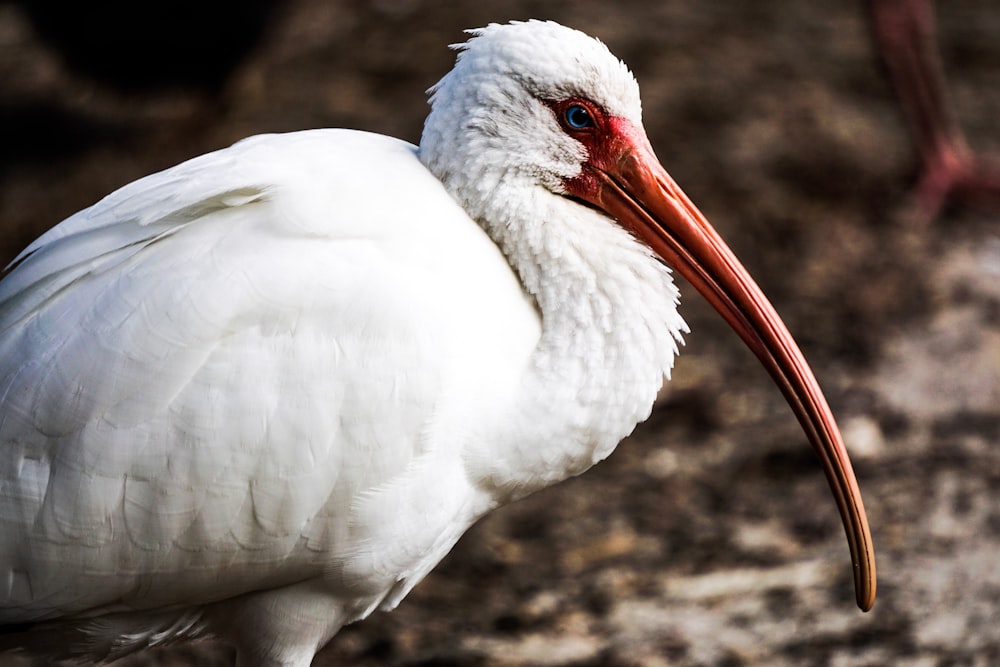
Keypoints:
(578, 118)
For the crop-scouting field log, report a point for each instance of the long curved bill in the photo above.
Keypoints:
(639, 193)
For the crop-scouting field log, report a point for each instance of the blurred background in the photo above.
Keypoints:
(709, 537)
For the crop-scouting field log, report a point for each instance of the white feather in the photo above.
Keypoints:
(279, 381)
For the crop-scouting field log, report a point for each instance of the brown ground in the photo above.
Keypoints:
(708, 538)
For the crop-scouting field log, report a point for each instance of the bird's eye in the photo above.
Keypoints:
(578, 118)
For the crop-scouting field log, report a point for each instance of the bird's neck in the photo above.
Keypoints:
(610, 330)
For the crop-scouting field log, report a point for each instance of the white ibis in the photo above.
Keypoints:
(261, 394)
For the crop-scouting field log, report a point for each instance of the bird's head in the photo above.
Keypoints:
(535, 97)
(543, 105)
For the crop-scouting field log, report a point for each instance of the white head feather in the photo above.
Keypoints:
(490, 109)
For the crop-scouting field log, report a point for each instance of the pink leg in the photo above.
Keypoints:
(905, 32)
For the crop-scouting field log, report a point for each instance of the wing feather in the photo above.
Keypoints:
(201, 373)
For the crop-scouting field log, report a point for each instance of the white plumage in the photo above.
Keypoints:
(261, 394)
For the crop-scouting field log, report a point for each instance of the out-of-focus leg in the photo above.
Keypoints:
(952, 173)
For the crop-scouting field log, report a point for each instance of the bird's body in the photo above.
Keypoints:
(275, 308)
(261, 394)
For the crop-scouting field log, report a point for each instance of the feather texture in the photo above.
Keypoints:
(263, 393)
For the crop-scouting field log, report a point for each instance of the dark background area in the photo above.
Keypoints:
(709, 537)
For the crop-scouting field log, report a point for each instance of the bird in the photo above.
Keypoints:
(259, 395)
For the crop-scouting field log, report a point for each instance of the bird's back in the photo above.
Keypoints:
(234, 375)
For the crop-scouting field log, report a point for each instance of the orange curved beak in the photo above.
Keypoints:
(636, 190)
